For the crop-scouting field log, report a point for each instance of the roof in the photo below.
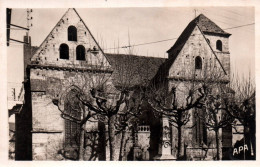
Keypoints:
(133, 69)
(206, 26)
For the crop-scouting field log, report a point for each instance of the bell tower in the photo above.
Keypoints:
(218, 40)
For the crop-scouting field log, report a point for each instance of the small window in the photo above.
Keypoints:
(198, 63)
(72, 33)
(64, 51)
(219, 45)
(80, 51)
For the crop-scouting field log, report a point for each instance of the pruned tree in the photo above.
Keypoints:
(73, 110)
(168, 103)
(128, 118)
(215, 116)
(241, 105)
(102, 102)
(176, 99)
(110, 97)
(131, 75)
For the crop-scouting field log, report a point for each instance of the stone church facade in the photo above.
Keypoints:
(200, 52)
(70, 50)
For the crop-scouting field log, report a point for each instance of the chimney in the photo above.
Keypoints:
(27, 53)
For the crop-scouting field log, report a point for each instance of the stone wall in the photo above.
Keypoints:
(49, 52)
(52, 77)
(28, 52)
(46, 85)
(196, 45)
(46, 146)
(183, 71)
(195, 150)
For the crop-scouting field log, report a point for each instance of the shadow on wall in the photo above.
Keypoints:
(23, 126)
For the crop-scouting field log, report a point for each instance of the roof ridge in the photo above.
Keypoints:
(134, 55)
(208, 21)
(88, 30)
(91, 35)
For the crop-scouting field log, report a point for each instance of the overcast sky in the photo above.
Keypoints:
(110, 27)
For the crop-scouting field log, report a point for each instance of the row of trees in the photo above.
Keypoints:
(109, 98)
(116, 100)
(218, 100)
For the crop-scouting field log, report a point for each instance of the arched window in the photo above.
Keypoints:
(64, 51)
(80, 51)
(200, 130)
(198, 62)
(219, 45)
(72, 109)
(72, 33)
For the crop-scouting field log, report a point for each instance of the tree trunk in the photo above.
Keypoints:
(81, 144)
(217, 143)
(122, 144)
(247, 142)
(82, 138)
(252, 132)
(111, 136)
(179, 142)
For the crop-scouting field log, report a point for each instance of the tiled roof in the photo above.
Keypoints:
(132, 69)
(206, 26)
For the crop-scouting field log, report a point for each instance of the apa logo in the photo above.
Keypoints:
(239, 149)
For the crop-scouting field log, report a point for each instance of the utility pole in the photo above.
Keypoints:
(8, 21)
(29, 18)
(29, 24)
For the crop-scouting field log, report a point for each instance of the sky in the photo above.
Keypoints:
(113, 27)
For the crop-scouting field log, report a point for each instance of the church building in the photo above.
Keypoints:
(70, 52)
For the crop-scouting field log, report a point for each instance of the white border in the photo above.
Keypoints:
(109, 4)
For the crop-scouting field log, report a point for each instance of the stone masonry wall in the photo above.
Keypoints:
(196, 45)
(46, 118)
(184, 68)
(52, 77)
(193, 149)
(48, 52)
